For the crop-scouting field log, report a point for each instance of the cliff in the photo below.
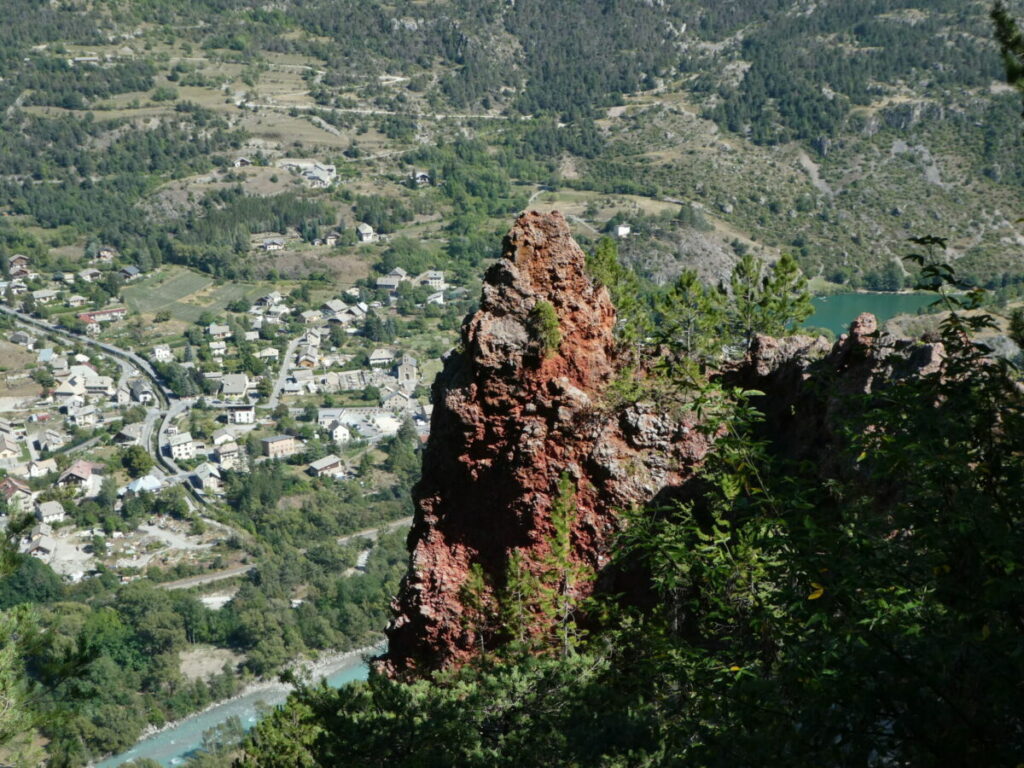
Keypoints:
(519, 405)
(510, 417)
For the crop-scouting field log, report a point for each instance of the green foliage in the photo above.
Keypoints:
(634, 321)
(136, 460)
(772, 302)
(545, 328)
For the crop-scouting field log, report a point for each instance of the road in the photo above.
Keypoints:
(373, 533)
(207, 578)
(282, 374)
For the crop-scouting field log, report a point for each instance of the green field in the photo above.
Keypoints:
(184, 293)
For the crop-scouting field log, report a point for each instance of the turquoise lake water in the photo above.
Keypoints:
(170, 747)
(838, 311)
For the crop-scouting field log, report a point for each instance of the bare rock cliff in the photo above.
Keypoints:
(510, 417)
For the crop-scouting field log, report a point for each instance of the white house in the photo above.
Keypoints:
(182, 446)
(50, 512)
(366, 234)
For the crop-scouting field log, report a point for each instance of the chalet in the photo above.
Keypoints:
(436, 298)
(90, 275)
(420, 178)
(277, 312)
(312, 316)
(21, 273)
(273, 244)
(182, 446)
(268, 353)
(392, 279)
(218, 348)
(18, 260)
(162, 354)
(79, 473)
(144, 484)
(106, 253)
(270, 300)
(43, 547)
(44, 296)
(365, 233)
(234, 386)
(280, 446)
(328, 465)
(75, 301)
(320, 176)
(50, 512)
(241, 414)
(251, 335)
(207, 478)
(242, 162)
(130, 272)
(331, 239)
(219, 332)
(306, 358)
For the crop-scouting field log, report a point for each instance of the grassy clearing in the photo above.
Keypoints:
(185, 294)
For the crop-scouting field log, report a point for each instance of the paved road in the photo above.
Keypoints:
(282, 374)
(373, 533)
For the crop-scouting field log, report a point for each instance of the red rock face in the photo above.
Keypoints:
(509, 419)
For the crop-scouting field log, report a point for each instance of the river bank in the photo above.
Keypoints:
(169, 743)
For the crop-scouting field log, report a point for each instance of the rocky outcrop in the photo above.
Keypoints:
(526, 400)
(511, 415)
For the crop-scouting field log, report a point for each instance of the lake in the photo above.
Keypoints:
(170, 747)
(838, 311)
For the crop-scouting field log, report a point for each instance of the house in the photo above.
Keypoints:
(130, 273)
(311, 316)
(333, 307)
(18, 260)
(23, 339)
(251, 335)
(269, 353)
(90, 275)
(21, 273)
(392, 280)
(207, 478)
(162, 354)
(44, 296)
(130, 434)
(280, 446)
(273, 244)
(86, 417)
(270, 300)
(43, 547)
(144, 484)
(398, 402)
(622, 230)
(328, 465)
(277, 312)
(306, 358)
(182, 446)
(50, 512)
(420, 178)
(219, 332)
(79, 473)
(218, 348)
(42, 468)
(229, 456)
(340, 433)
(242, 162)
(50, 441)
(380, 358)
(17, 288)
(365, 233)
(103, 315)
(436, 298)
(433, 279)
(234, 386)
(75, 301)
(241, 414)
(320, 176)
(9, 448)
(106, 253)
(142, 392)
(15, 492)
(331, 239)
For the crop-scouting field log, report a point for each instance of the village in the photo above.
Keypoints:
(114, 425)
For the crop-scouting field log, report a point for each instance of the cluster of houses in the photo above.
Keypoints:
(432, 279)
(61, 291)
(317, 175)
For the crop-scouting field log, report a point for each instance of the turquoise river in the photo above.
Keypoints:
(170, 747)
